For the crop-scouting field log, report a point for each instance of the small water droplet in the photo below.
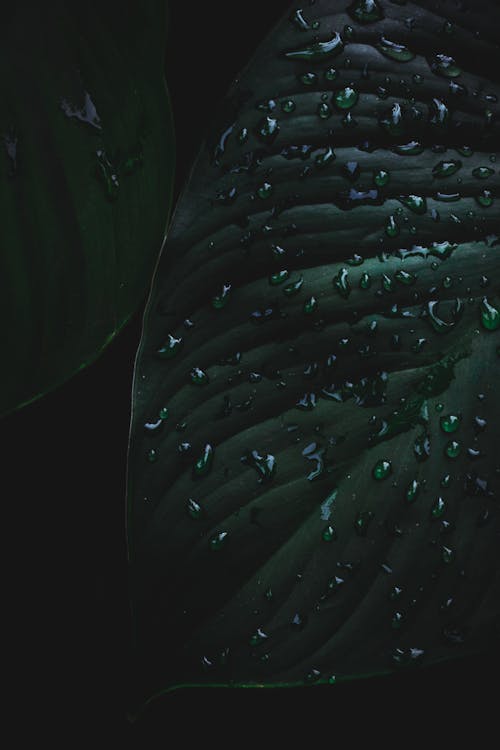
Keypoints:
(452, 449)
(490, 315)
(382, 469)
(218, 540)
(449, 423)
(170, 347)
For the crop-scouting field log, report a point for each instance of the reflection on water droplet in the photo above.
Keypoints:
(346, 98)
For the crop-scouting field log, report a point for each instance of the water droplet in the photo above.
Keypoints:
(290, 290)
(438, 508)
(444, 66)
(392, 121)
(243, 136)
(394, 51)
(106, 173)
(439, 114)
(412, 148)
(199, 376)
(452, 449)
(318, 51)
(329, 534)
(308, 79)
(351, 170)
(365, 11)
(449, 423)
(226, 197)
(422, 447)
(279, 277)
(485, 199)
(264, 464)
(341, 283)
(170, 347)
(416, 203)
(288, 106)
(310, 305)
(87, 113)
(362, 521)
(325, 158)
(392, 227)
(397, 619)
(482, 173)
(220, 300)
(440, 325)
(267, 129)
(193, 508)
(218, 540)
(152, 455)
(365, 281)
(412, 491)
(446, 168)
(490, 315)
(265, 191)
(299, 21)
(382, 469)
(387, 283)
(204, 462)
(355, 260)
(405, 278)
(331, 74)
(381, 178)
(447, 555)
(324, 111)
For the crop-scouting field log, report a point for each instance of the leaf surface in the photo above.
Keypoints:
(86, 162)
(313, 467)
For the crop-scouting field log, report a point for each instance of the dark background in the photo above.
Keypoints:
(65, 599)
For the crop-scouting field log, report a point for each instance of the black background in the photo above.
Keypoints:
(65, 601)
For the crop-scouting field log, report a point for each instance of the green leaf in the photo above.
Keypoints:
(313, 468)
(86, 164)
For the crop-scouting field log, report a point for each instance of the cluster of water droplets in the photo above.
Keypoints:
(401, 299)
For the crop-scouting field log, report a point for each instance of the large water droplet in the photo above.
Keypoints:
(318, 51)
(450, 423)
(394, 51)
(365, 11)
(444, 66)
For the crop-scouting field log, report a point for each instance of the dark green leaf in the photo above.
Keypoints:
(85, 181)
(313, 469)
